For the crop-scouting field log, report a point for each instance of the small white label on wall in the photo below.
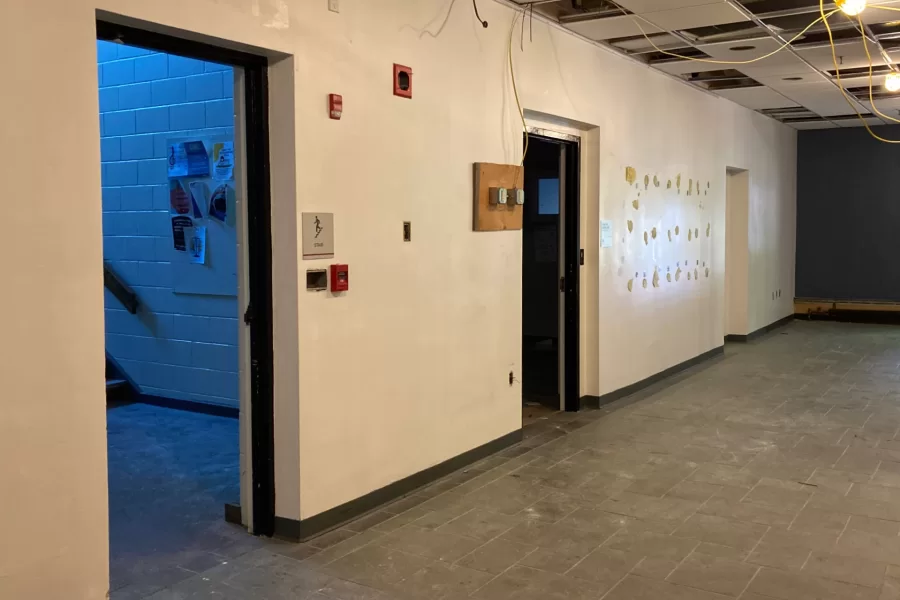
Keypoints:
(606, 234)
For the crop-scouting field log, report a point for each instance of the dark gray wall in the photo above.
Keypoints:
(848, 215)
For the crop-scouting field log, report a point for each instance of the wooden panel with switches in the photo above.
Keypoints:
(494, 216)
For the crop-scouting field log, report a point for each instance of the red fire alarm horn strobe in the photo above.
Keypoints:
(402, 81)
(335, 106)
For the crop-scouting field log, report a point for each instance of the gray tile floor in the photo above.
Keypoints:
(170, 473)
(773, 472)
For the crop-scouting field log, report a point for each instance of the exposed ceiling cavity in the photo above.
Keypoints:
(797, 85)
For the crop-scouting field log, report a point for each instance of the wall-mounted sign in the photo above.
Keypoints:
(606, 234)
(318, 235)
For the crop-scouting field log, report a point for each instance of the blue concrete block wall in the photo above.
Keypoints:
(181, 346)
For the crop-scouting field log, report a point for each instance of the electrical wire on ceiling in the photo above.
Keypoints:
(477, 16)
(727, 62)
(869, 56)
(512, 76)
(837, 73)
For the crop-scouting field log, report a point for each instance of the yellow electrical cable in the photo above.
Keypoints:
(837, 72)
(729, 62)
(512, 75)
(869, 56)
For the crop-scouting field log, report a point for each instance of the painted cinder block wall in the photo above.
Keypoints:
(180, 346)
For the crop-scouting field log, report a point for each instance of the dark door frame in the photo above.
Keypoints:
(259, 228)
(571, 269)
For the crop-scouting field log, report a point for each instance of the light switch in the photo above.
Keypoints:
(499, 195)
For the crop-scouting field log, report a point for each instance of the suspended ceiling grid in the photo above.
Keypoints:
(797, 85)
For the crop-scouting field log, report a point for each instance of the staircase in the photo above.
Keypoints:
(119, 389)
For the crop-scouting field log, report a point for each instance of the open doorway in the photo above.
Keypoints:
(187, 268)
(551, 256)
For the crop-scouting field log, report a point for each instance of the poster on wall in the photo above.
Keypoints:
(198, 246)
(187, 159)
(202, 200)
(223, 159)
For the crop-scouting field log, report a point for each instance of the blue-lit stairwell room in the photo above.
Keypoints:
(170, 259)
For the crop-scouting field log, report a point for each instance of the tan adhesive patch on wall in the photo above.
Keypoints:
(698, 186)
(630, 175)
(677, 229)
(695, 274)
(697, 232)
(646, 181)
(677, 273)
(630, 284)
(655, 279)
(689, 235)
(707, 271)
(669, 277)
(669, 184)
(655, 181)
(678, 181)
(653, 233)
(669, 232)
(636, 204)
(630, 225)
(689, 275)
(644, 283)
(690, 187)
(646, 238)
(708, 225)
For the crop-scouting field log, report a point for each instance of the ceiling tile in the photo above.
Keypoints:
(610, 27)
(872, 121)
(813, 125)
(695, 16)
(647, 6)
(680, 67)
(757, 98)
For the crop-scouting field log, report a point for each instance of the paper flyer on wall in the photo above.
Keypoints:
(181, 228)
(198, 245)
(223, 159)
(187, 159)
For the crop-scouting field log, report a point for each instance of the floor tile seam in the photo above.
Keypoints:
(596, 549)
(681, 562)
(503, 572)
(747, 587)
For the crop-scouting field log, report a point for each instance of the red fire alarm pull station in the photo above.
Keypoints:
(335, 106)
(402, 81)
(340, 278)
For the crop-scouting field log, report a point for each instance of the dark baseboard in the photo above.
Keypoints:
(233, 513)
(190, 406)
(298, 531)
(743, 339)
(598, 401)
(869, 317)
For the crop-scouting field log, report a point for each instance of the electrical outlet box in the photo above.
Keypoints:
(334, 5)
(499, 195)
(518, 196)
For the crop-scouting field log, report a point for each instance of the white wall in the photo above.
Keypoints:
(410, 366)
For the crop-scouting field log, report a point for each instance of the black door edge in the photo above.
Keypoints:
(259, 228)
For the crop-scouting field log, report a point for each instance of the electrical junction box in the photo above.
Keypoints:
(499, 195)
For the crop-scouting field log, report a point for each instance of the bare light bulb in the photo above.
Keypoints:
(851, 7)
(892, 81)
